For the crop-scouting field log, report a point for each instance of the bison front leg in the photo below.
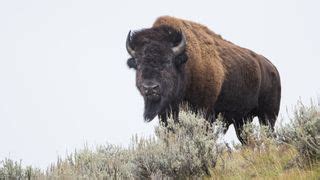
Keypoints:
(210, 116)
(173, 113)
(163, 119)
(238, 126)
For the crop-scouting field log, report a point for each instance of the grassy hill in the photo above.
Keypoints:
(192, 150)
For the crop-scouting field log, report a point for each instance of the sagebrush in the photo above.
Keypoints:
(191, 149)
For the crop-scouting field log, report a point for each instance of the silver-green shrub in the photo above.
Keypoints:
(106, 162)
(10, 169)
(258, 137)
(303, 133)
(185, 149)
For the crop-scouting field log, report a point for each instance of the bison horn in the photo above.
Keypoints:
(181, 47)
(129, 49)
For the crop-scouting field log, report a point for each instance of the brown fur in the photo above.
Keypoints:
(204, 64)
(211, 57)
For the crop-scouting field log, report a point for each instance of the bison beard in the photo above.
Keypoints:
(190, 64)
(152, 109)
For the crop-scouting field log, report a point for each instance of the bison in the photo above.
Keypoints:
(179, 61)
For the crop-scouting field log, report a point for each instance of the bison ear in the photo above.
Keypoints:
(181, 59)
(132, 63)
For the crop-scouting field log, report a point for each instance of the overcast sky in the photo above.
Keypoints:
(64, 79)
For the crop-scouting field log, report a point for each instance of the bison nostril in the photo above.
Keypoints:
(150, 88)
(154, 86)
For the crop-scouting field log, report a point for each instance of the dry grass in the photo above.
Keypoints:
(270, 159)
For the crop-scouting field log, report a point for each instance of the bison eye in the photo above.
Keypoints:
(132, 63)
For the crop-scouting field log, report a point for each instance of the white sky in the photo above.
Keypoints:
(64, 79)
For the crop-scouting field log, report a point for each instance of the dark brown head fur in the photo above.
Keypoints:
(159, 72)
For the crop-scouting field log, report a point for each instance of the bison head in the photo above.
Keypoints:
(158, 56)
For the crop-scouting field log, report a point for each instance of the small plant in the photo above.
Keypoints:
(10, 169)
(107, 161)
(258, 138)
(303, 133)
